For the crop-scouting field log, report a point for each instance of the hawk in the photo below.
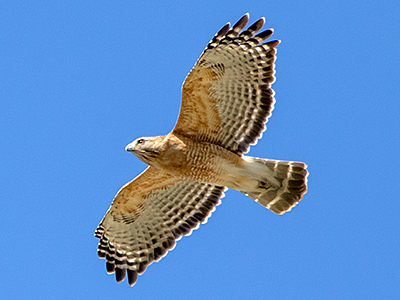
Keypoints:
(226, 101)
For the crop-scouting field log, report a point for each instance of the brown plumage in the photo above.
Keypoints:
(226, 101)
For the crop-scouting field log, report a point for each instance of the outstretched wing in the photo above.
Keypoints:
(227, 97)
(146, 218)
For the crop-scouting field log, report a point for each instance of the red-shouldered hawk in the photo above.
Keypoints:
(226, 101)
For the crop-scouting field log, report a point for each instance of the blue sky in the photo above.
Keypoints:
(79, 80)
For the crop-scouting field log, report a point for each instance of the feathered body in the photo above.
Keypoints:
(260, 179)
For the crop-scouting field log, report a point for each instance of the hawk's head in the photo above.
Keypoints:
(145, 148)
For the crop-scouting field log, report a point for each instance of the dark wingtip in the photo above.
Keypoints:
(273, 44)
(101, 254)
(120, 274)
(256, 26)
(132, 277)
(110, 267)
(266, 34)
(243, 21)
(224, 29)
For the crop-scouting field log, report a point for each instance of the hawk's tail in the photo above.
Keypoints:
(281, 184)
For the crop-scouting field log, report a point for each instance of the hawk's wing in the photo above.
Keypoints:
(227, 96)
(147, 216)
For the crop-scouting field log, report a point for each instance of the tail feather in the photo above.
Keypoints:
(282, 186)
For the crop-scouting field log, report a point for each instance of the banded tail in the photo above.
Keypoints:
(281, 184)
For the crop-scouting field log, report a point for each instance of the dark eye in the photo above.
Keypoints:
(140, 141)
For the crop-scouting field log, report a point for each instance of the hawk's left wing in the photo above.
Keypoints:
(227, 96)
(146, 218)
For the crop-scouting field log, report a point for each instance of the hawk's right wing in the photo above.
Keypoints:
(146, 218)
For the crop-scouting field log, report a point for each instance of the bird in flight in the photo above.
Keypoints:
(226, 100)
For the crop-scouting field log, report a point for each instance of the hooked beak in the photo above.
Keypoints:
(130, 147)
